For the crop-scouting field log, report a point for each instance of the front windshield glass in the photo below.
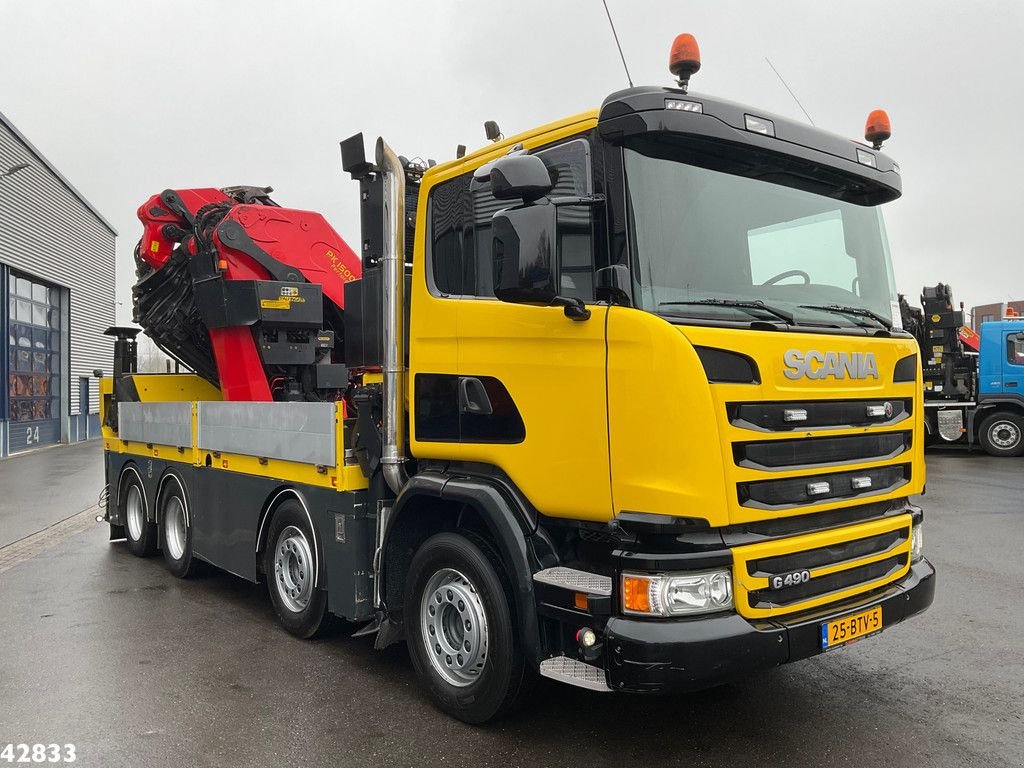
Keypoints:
(705, 239)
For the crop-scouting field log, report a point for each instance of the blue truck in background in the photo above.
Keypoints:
(973, 382)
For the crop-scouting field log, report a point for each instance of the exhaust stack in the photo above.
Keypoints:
(393, 309)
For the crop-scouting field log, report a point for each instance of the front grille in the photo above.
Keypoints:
(818, 414)
(804, 452)
(780, 527)
(817, 568)
(800, 491)
(826, 585)
(826, 556)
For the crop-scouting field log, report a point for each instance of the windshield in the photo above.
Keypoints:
(706, 241)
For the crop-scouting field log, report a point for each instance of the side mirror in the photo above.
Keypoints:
(526, 260)
(522, 177)
(525, 254)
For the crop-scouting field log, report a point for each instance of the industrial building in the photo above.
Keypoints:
(57, 291)
(997, 311)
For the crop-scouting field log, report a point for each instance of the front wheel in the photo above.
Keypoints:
(460, 629)
(1002, 434)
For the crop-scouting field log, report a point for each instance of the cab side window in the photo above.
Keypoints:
(461, 211)
(449, 209)
(1015, 349)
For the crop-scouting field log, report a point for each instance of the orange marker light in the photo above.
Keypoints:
(636, 594)
(877, 129)
(580, 601)
(684, 59)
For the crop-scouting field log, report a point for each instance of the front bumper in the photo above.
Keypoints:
(657, 656)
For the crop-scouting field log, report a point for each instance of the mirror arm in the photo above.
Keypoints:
(577, 200)
(575, 309)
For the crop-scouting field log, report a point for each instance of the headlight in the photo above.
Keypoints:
(676, 594)
(916, 543)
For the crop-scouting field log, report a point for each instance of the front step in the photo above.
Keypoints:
(574, 580)
(574, 672)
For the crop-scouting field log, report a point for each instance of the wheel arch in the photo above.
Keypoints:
(130, 467)
(170, 474)
(991, 406)
(270, 507)
(929, 429)
(435, 502)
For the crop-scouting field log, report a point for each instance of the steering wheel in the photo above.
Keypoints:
(789, 273)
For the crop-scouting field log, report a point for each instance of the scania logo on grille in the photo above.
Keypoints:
(813, 364)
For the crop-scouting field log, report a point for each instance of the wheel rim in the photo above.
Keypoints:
(1004, 434)
(135, 512)
(174, 528)
(454, 627)
(293, 569)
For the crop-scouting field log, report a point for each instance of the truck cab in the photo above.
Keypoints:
(678, 353)
(1000, 412)
(1001, 359)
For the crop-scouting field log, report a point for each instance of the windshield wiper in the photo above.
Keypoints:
(779, 313)
(839, 309)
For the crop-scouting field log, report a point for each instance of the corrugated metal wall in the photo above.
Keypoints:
(48, 232)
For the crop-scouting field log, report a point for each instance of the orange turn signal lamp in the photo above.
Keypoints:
(636, 593)
(878, 128)
(684, 59)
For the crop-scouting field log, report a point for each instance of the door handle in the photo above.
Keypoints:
(473, 397)
(1010, 384)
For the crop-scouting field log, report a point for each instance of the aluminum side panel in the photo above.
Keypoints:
(301, 432)
(161, 423)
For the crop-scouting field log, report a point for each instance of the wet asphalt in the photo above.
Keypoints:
(136, 668)
(41, 488)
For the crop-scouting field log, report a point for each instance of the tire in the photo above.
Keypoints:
(177, 532)
(460, 628)
(289, 564)
(1002, 434)
(139, 532)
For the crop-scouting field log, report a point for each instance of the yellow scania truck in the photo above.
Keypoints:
(622, 400)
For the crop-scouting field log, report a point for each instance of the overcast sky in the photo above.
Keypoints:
(130, 98)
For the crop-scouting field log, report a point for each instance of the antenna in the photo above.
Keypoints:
(782, 80)
(617, 44)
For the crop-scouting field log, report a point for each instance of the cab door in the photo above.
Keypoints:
(530, 393)
(539, 411)
(1013, 363)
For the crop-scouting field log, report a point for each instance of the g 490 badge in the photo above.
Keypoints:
(792, 579)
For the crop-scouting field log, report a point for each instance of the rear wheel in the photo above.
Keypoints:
(1002, 434)
(460, 629)
(177, 533)
(139, 531)
(290, 566)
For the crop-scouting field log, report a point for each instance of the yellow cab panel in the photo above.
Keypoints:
(518, 387)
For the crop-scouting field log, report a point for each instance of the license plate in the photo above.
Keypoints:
(849, 628)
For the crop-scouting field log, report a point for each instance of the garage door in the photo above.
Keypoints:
(34, 363)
